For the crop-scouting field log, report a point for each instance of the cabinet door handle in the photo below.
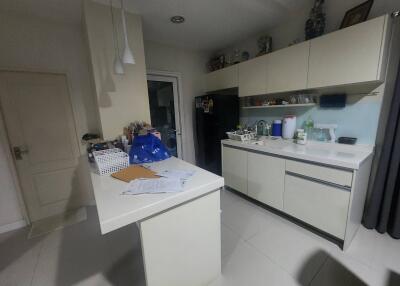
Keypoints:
(344, 188)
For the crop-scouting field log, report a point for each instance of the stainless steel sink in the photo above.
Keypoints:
(259, 142)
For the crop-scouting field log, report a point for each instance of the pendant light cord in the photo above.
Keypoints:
(115, 38)
(124, 22)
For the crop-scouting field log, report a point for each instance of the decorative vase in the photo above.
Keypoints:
(315, 25)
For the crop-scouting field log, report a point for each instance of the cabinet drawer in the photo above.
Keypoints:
(322, 206)
(331, 175)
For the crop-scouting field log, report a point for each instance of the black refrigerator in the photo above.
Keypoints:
(215, 115)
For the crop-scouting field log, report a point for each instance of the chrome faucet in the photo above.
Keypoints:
(259, 126)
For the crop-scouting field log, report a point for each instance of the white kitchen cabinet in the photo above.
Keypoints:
(253, 77)
(234, 168)
(222, 79)
(182, 246)
(351, 60)
(287, 68)
(265, 179)
(324, 173)
(321, 205)
(328, 196)
(353, 55)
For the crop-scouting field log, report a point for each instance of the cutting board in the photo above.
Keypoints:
(134, 172)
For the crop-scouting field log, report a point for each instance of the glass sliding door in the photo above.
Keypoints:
(164, 111)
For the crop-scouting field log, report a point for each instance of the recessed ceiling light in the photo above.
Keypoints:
(177, 19)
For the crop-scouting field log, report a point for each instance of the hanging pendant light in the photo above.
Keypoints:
(118, 66)
(127, 56)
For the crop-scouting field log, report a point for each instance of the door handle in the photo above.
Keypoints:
(177, 132)
(19, 151)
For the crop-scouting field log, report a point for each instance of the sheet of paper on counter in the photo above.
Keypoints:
(183, 176)
(153, 186)
(170, 181)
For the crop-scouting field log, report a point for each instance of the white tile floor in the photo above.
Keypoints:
(258, 248)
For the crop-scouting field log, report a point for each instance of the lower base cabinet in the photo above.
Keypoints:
(234, 168)
(182, 246)
(265, 179)
(321, 205)
(328, 198)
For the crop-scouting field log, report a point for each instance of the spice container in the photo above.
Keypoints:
(301, 137)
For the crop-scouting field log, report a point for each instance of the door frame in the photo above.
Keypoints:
(4, 133)
(178, 103)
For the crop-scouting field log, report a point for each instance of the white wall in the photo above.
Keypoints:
(121, 99)
(39, 45)
(191, 66)
(36, 44)
(294, 28)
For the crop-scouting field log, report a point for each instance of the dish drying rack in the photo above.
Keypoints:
(241, 135)
(110, 161)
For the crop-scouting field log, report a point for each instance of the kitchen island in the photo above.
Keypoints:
(180, 232)
(320, 185)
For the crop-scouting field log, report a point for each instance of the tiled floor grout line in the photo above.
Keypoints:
(252, 236)
(235, 232)
(279, 265)
(269, 258)
(246, 242)
(318, 270)
(37, 262)
(328, 248)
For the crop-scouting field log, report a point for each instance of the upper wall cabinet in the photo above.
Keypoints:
(349, 56)
(351, 60)
(222, 79)
(252, 76)
(287, 69)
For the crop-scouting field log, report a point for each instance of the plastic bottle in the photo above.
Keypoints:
(308, 125)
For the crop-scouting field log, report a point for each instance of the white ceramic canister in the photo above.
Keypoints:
(289, 126)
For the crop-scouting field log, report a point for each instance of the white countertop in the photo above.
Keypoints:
(334, 154)
(116, 210)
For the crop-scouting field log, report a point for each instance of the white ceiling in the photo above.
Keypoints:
(210, 24)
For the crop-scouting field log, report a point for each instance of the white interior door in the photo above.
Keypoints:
(41, 130)
(165, 111)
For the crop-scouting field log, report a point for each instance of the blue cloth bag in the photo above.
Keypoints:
(146, 149)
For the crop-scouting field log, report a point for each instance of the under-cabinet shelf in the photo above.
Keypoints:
(280, 106)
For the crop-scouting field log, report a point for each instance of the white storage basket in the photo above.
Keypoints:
(241, 137)
(110, 161)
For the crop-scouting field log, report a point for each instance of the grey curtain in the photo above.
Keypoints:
(382, 211)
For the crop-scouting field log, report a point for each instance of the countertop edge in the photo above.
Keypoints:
(290, 155)
(138, 215)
